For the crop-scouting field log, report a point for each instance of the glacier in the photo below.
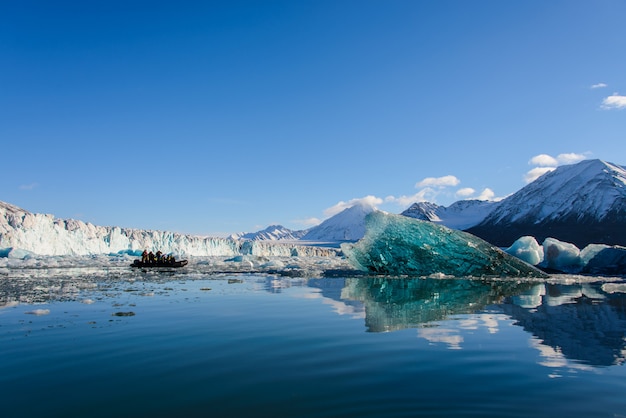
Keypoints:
(398, 245)
(24, 234)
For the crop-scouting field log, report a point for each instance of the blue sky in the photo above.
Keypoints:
(218, 117)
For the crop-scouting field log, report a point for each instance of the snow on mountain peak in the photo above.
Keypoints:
(588, 188)
(348, 225)
(459, 215)
(579, 203)
(271, 233)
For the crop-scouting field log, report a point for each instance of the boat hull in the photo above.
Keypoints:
(175, 264)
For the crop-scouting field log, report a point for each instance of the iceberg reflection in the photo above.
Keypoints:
(393, 304)
(583, 322)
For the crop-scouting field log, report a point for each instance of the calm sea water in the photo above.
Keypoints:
(194, 345)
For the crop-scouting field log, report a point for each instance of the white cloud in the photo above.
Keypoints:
(339, 207)
(486, 194)
(445, 181)
(614, 102)
(570, 158)
(537, 172)
(465, 192)
(409, 200)
(548, 163)
(543, 160)
(599, 86)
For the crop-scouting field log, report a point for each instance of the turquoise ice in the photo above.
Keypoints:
(398, 245)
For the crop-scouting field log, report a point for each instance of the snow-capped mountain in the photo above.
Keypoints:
(462, 214)
(580, 203)
(271, 233)
(425, 211)
(348, 225)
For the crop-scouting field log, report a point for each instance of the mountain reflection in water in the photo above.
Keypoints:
(584, 322)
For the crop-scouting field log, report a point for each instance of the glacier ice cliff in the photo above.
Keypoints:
(398, 245)
(22, 232)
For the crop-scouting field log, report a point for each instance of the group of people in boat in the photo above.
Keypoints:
(159, 257)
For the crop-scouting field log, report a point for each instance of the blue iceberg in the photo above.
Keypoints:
(559, 256)
(398, 245)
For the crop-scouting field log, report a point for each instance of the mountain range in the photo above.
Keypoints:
(271, 233)
(582, 203)
(348, 225)
(461, 215)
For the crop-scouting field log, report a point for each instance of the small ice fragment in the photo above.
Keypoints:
(614, 287)
(38, 312)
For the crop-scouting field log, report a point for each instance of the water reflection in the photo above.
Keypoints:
(393, 304)
(580, 322)
(584, 322)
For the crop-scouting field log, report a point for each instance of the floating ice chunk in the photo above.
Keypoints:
(561, 256)
(527, 249)
(236, 259)
(608, 260)
(276, 264)
(590, 251)
(397, 245)
(38, 312)
(567, 258)
(15, 253)
(133, 253)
